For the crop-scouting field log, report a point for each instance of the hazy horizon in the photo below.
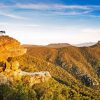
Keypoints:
(45, 22)
(62, 43)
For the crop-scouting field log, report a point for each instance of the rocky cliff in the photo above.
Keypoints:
(10, 47)
(10, 71)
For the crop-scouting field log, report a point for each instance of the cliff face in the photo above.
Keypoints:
(10, 71)
(10, 47)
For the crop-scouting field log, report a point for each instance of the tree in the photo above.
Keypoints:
(2, 32)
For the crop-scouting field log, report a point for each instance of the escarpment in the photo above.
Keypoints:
(10, 70)
(10, 47)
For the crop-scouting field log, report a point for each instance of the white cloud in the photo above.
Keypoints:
(11, 15)
(51, 6)
(59, 9)
(70, 13)
(56, 6)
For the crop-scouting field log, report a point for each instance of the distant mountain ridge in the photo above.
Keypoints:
(57, 45)
(98, 42)
(85, 44)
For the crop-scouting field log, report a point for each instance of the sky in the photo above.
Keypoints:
(51, 21)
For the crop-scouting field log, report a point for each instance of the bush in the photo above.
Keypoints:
(5, 91)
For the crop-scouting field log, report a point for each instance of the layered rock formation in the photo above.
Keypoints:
(10, 47)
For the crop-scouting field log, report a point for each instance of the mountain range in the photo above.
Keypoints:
(74, 71)
(76, 61)
(69, 65)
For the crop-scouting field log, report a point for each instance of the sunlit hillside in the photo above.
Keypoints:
(77, 61)
(48, 73)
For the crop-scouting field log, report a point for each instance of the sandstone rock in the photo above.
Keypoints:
(36, 77)
(15, 65)
(10, 47)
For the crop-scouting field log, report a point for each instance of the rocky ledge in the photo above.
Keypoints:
(9, 71)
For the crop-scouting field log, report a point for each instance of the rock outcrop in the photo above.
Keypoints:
(36, 77)
(14, 74)
(10, 47)
(9, 70)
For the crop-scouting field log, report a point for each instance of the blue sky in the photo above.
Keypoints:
(51, 21)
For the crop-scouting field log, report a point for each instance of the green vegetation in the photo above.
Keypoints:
(51, 90)
(75, 72)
